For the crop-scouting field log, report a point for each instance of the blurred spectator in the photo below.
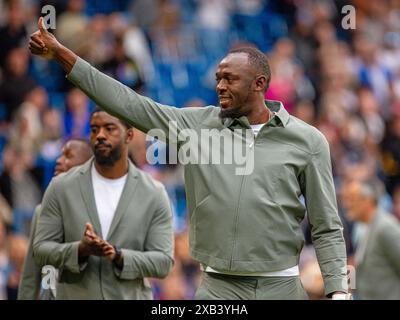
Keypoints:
(76, 117)
(18, 82)
(13, 34)
(52, 134)
(305, 110)
(98, 39)
(5, 210)
(137, 48)
(3, 260)
(52, 141)
(26, 130)
(165, 32)
(17, 248)
(214, 15)
(283, 69)
(377, 256)
(182, 282)
(123, 68)
(373, 73)
(72, 27)
(311, 278)
(190, 268)
(137, 149)
(289, 81)
(172, 287)
(396, 202)
(369, 112)
(391, 151)
(20, 185)
(145, 12)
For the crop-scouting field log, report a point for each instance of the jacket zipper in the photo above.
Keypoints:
(251, 146)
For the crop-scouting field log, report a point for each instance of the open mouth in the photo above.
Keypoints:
(224, 100)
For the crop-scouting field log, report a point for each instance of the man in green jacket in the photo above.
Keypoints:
(244, 219)
(105, 225)
(75, 152)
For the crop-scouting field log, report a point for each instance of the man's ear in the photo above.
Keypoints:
(260, 83)
(129, 135)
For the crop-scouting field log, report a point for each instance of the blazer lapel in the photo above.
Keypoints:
(86, 187)
(126, 198)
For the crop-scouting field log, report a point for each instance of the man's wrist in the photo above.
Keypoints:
(119, 258)
(83, 253)
(65, 57)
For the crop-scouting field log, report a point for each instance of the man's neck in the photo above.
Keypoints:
(118, 170)
(260, 115)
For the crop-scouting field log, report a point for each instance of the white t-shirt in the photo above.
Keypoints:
(256, 128)
(107, 193)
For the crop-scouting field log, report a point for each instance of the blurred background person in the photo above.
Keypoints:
(377, 255)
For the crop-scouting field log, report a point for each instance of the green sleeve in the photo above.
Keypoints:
(326, 226)
(124, 103)
(157, 258)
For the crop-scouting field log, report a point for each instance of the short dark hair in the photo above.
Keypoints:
(258, 60)
(126, 124)
(80, 140)
(86, 148)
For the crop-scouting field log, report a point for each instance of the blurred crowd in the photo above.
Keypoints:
(346, 82)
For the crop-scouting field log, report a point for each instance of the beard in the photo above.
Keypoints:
(230, 113)
(237, 110)
(107, 159)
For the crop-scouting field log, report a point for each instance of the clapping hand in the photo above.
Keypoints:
(91, 243)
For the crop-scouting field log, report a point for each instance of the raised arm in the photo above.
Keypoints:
(112, 96)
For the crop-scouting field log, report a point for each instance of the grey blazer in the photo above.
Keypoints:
(29, 285)
(378, 272)
(142, 227)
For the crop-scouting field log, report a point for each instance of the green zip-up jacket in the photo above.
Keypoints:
(243, 222)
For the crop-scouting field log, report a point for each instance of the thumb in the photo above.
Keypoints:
(41, 26)
(89, 226)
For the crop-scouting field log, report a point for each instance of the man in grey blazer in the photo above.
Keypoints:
(105, 225)
(75, 152)
(377, 257)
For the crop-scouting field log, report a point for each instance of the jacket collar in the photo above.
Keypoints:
(87, 191)
(277, 107)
